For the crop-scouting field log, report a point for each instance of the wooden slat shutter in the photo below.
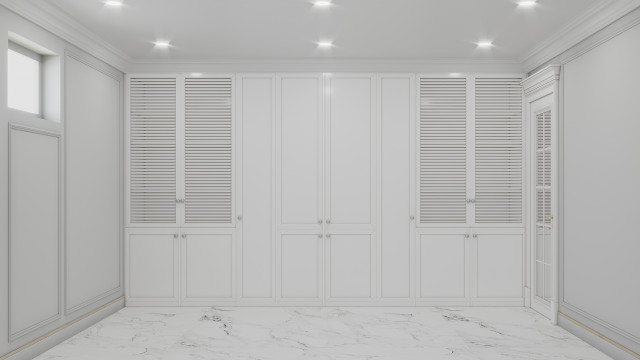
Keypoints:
(498, 151)
(543, 176)
(208, 151)
(443, 151)
(152, 151)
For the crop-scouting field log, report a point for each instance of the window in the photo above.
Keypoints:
(24, 79)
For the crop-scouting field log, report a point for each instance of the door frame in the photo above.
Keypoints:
(542, 86)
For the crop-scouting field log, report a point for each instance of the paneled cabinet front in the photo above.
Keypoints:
(326, 188)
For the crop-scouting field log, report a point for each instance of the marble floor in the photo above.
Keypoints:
(324, 333)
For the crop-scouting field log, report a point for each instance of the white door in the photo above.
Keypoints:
(543, 278)
(350, 187)
(299, 220)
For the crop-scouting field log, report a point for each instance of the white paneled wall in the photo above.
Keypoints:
(324, 170)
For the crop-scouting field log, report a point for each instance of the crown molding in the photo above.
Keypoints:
(590, 22)
(542, 78)
(54, 20)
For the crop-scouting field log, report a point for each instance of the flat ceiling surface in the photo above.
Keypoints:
(359, 29)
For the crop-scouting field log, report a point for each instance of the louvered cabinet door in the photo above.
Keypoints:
(152, 151)
(498, 151)
(208, 152)
(443, 152)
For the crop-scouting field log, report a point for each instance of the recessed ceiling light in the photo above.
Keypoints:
(113, 3)
(455, 74)
(325, 44)
(485, 44)
(322, 3)
(195, 74)
(162, 44)
(527, 3)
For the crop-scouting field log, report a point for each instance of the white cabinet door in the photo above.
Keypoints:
(498, 267)
(350, 187)
(350, 267)
(298, 196)
(152, 267)
(396, 113)
(443, 271)
(256, 125)
(299, 255)
(299, 146)
(207, 266)
(152, 152)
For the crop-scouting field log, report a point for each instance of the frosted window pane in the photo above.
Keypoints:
(23, 83)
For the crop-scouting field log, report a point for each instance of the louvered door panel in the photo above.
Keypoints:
(443, 151)
(208, 151)
(498, 151)
(152, 159)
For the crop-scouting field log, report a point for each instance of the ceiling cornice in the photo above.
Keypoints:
(590, 22)
(54, 20)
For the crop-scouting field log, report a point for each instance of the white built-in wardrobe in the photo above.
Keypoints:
(325, 189)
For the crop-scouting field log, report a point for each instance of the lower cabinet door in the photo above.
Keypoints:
(152, 266)
(443, 271)
(350, 267)
(207, 263)
(299, 259)
(498, 267)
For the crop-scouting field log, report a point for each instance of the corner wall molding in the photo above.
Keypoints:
(54, 20)
(593, 20)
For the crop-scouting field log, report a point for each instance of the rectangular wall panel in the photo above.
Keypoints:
(152, 265)
(300, 266)
(351, 123)
(443, 266)
(92, 124)
(300, 156)
(396, 125)
(350, 267)
(207, 266)
(256, 113)
(34, 229)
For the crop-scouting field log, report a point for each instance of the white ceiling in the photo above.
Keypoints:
(360, 29)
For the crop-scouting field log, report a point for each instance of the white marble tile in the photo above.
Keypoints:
(324, 333)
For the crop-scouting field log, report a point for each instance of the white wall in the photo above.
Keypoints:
(61, 176)
(601, 189)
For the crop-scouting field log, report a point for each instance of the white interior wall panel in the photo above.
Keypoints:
(396, 110)
(35, 243)
(256, 111)
(93, 149)
(600, 189)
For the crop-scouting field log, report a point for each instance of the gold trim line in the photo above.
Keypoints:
(32, 342)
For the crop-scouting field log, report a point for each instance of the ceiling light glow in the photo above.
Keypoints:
(322, 3)
(325, 44)
(455, 74)
(113, 3)
(485, 44)
(162, 44)
(196, 74)
(527, 3)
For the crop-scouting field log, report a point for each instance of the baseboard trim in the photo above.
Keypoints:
(38, 345)
(604, 339)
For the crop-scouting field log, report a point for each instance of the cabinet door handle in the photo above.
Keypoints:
(319, 236)
(320, 222)
(239, 217)
(175, 236)
(328, 221)
(328, 236)
(475, 236)
(184, 236)
(412, 217)
(466, 236)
